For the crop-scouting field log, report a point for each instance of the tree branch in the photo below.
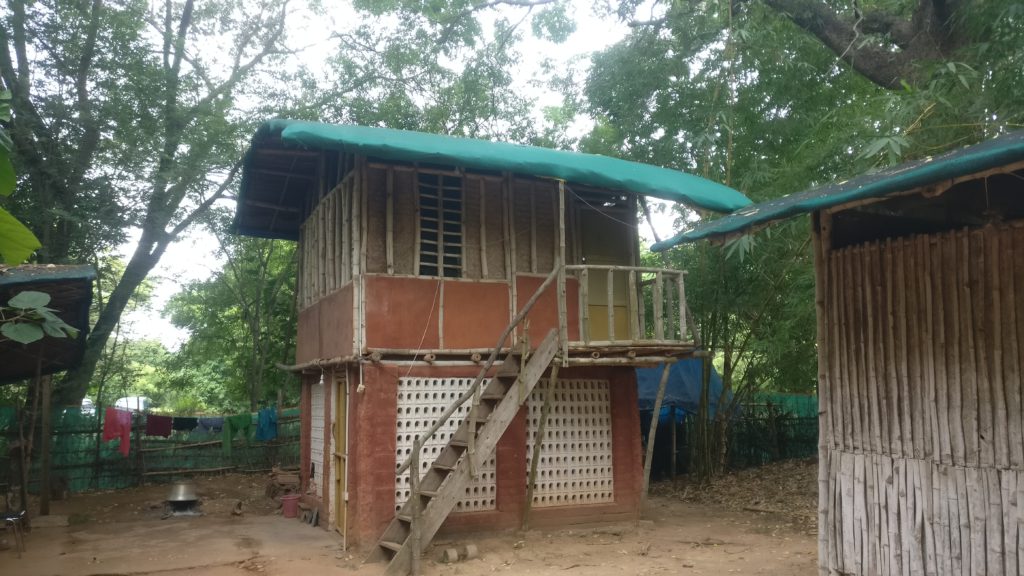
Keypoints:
(895, 46)
(90, 129)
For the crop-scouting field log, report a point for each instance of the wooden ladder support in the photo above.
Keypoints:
(444, 483)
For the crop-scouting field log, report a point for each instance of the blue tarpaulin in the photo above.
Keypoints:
(682, 389)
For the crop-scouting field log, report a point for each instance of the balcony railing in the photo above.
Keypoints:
(631, 305)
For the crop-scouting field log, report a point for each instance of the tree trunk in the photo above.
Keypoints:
(76, 383)
(885, 47)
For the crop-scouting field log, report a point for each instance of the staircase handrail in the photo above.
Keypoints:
(516, 320)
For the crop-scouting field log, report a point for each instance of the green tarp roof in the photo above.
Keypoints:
(574, 167)
(968, 160)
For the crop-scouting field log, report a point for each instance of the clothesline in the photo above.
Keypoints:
(117, 425)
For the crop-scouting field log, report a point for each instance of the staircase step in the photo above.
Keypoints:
(394, 547)
(445, 481)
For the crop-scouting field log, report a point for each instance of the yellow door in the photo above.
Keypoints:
(605, 240)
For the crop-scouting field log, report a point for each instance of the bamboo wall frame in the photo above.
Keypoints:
(921, 447)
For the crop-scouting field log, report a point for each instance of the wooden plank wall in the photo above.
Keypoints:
(922, 448)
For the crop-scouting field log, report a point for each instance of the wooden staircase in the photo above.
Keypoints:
(444, 484)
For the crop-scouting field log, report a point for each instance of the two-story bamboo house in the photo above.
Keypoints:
(418, 252)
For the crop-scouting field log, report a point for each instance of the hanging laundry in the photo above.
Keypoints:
(184, 423)
(210, 424)
(118, 424)
(266, 424)
(158, 425)
(232, 426)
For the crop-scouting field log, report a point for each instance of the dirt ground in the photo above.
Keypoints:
(755, 522)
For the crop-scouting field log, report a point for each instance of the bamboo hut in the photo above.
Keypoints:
(455, 296)
(920, 301)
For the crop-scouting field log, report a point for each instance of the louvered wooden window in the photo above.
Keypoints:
(440, 198)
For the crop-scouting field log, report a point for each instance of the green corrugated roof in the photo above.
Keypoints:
(968, 160)
(35, 273)
(589, 169)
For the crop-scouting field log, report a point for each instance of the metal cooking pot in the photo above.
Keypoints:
(183, 492)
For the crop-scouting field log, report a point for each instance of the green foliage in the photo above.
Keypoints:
(554, 24)
(241, 323)
(17, 242)
(26, 319)
(442, 67)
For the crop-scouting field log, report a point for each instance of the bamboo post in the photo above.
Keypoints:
(821, 231)
(389, 222)
(659, 312)
(533, 228)
(46, 383)
(537, 442)
(563, 321)
(652, 432)
(642, 305)
(483, 229)
(636, 308)
(669, 307)
(675, 410)
(610, 305)
(681, 279)
(414, 528)
(585, 306)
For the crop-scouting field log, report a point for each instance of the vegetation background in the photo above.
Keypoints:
(128, 120)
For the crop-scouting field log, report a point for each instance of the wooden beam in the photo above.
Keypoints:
(271, 205)
(286, 174)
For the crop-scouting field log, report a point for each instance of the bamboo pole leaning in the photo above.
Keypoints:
(531, 485)
(652, 433)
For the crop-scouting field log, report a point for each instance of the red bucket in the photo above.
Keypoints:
(290, 505)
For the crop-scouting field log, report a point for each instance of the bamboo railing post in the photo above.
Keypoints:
(635, 308)
(610, 305)
(414, 528)
(659, 311)
(642, 304)
(537, 441)
(670, 309)
(652, 432)
(681, 279)
(585, 303)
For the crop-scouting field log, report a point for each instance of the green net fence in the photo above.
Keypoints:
(82, 461)
(770, 428)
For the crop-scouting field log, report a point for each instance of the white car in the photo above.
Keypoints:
(88, 408)
(133, 403)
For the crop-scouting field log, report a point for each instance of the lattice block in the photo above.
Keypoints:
(316, 436)
(575, 463)
(420, 402)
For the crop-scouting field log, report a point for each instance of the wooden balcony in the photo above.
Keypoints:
(631, 315)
